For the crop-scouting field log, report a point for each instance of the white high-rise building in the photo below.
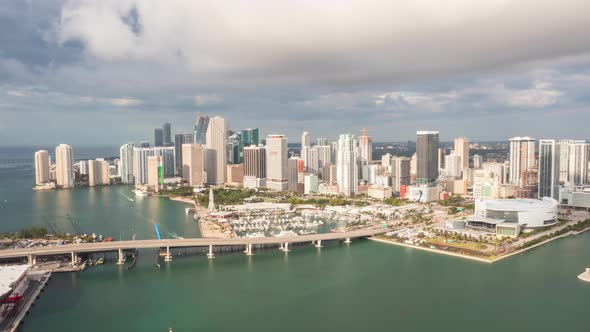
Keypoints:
(564, 159)
(305, 139)
(522, 157)
(549, 158)
(64, 166)
(83, 167)
(140, 165)
(126, 157)
(453, 166)
(477, 161)
(462, 150)
(578, 163)
(346, 163)
(366, 148)
(98, 172)
(217, 141)
(192, 164)
(276, 162)
(41, 167)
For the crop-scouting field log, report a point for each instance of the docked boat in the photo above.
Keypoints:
(140, 193)
(286, 234)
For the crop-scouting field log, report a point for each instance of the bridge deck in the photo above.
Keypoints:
(180, 243)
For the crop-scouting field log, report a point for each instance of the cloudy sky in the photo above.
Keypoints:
(109, 71)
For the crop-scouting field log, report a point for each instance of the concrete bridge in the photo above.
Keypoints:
(121, 246)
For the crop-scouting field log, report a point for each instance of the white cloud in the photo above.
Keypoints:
(541, 95)
(126, 102)
(207, 100)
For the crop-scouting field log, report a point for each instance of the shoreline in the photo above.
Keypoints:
(477, 259)
(448, 253)
(182, 200)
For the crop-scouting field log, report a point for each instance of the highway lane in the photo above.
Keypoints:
(180, 243)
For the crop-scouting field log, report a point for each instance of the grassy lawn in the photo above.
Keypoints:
(457, 244)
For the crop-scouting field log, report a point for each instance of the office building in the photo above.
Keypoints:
(426, 157)
(293, 173)
(577, 163)
(155, 177)
(210, 165)
(140, 155)
(126, 157)
(441, 159)
(144, 144)
(254, 167)
(41, 167)
(235, 149)
(347, 166)
(166, 132)
(366, 148)
(158, 137)
(201, 126)
(217, 141)
(235, 175)
(400, 173)
(453, 166)
(276, 162)
(549, 158)
(250, 136)
(193, 164)
(64, 166)
(522, 158)
(477, 161)
(311, 184)
(179, 140)
(462, 150)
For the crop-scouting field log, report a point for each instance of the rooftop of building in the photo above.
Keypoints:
(521, 204)
(9, 274)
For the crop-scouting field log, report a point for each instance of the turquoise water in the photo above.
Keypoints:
(361, 287)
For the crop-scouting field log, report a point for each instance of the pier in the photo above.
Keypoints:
(121, 248)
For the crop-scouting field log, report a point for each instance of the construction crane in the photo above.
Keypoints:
(49, 225)
(74, 225)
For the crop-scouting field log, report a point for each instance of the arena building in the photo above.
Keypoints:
(525, 212)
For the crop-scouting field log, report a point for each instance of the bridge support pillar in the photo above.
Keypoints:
(168, 257)
(318, 243)
(74, 259)
(121, 257)
(285, 247)
(347, 241)
(248, 250)
(32, 260)
(210, 254)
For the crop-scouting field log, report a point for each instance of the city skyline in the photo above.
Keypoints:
(432, 80)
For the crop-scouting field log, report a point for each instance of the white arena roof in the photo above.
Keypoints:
(523, 204)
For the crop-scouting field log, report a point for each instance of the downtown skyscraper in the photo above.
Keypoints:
(41, 167)
(549, 159)
(346, 165)
(522, 158)
(426, 157)
(276, 159)
(126, 157)
(200, 131)
(578, 163)
(64, 166)
(216, 139)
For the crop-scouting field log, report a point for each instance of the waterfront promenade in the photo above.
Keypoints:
(120, 246)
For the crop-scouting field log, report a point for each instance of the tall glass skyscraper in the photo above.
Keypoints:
(166, 130)
(201, 125)
(250, 136)
(549, 159)
(426, 157)
(158, 137)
